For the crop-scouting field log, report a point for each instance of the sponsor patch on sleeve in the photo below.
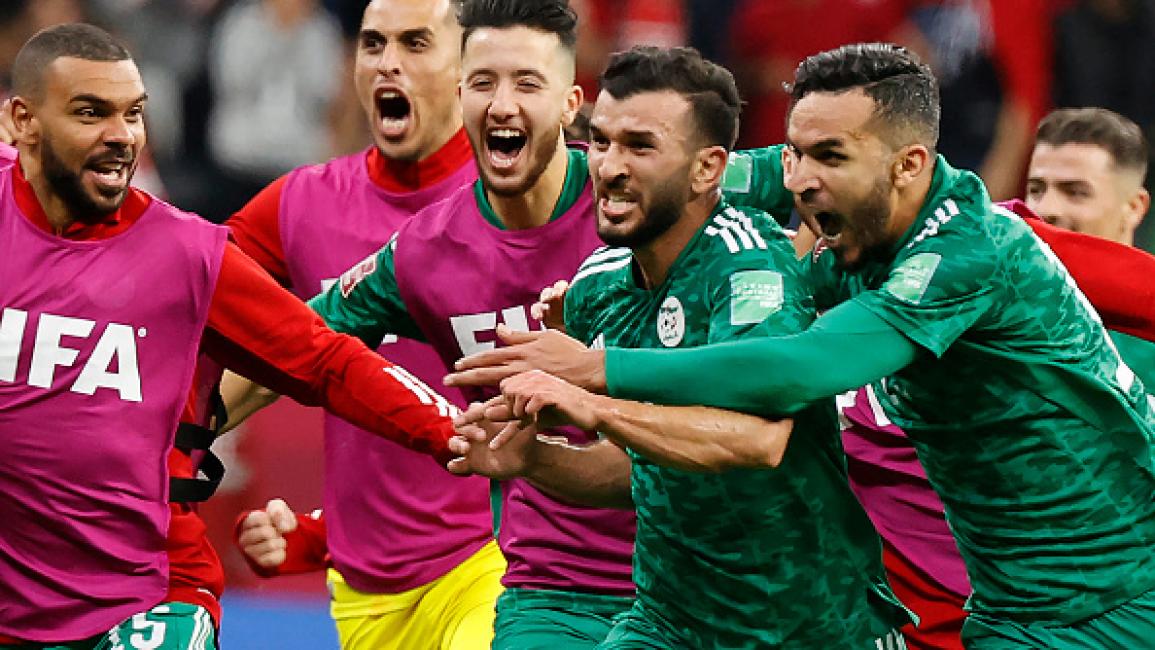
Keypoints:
(739, 174)
(754, 295)
(909, 281)
(351, 278)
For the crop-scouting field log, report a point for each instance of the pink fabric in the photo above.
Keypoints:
(396, 519)
(461, 276)
(97, 349)
(888, 479)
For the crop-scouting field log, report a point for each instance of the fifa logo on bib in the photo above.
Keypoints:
(671, 322)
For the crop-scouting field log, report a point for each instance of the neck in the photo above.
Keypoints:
(910, 202)
(655, 258)
(55, 210)
(534, 207)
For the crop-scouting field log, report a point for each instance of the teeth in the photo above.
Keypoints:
(393, 122)
(390, 94)
(505, 133)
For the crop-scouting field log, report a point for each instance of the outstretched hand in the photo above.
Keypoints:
(481, 450)
(549, 351)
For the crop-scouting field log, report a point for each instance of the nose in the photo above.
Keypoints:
(503, 105)
(389, 63)
(610, 164)
(799, 174)
(1046, 204)
(119, 132)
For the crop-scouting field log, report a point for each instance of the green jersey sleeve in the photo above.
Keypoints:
(757, 293)
(365, 302)
(754, 179)
(943, 283)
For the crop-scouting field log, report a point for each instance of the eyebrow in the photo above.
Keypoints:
(101, 101)
(405, 34)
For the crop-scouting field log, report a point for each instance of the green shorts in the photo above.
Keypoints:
(1126, 627)
(539, 619)
(168, 626)
(641, 628)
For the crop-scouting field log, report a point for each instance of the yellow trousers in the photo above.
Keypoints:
(454, 612)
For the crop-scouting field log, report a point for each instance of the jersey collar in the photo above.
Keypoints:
(404, 176)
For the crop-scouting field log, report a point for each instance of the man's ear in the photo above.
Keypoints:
(574, 98)
(26, 128)
(708, 168)
(910, 163)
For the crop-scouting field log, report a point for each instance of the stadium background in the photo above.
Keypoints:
(241, 91)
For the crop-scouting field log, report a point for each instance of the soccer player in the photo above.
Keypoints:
(479, 258)
(782, 557)
(108, 295)
(1086, 174)
(413, 559)
(979, 345)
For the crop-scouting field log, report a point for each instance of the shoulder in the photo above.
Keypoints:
(338, 175)
(603, 266)
(740, 236)
(443, 218)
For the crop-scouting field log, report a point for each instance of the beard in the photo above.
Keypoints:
(66, 184)
(871, 218)
(664, 210)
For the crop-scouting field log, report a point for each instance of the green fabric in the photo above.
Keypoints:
(370, 307)
(834, 343)
(753, 179)
(780, 558)
(1126, 627)
(1037, 439)
(540, 619)
(168, 626)
(1139, 355)
(576, 175)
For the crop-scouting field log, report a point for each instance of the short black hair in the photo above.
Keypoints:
(75, 40)
(1119, 136)
(550, 16)
(710, 88)
(904, 90)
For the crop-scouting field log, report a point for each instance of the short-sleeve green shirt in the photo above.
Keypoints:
(744, 558)
(1034, 433)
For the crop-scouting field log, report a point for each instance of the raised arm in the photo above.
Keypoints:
(261, 331)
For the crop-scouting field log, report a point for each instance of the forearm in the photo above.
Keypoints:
(844, 349)
(695, 439)
(242, 398)
(595, 475)
(260, 331)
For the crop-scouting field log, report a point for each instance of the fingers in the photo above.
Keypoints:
(482, 376)
(458, 466)
(459, 445)
(281, 516)
(511, 432)
(513, 337)
(471, 415)
(261, 541)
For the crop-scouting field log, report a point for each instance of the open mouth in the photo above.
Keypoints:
(110, 176)
(504, 146)
(831, 225)
(616, 204)
(394, 112)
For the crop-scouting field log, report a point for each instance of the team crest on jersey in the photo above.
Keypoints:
(354, 276)
(671, 322)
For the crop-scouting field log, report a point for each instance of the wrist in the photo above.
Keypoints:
(596, 372)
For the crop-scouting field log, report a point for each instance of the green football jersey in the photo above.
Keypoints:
(1139, 355)
(780, 558)
(1031, 429)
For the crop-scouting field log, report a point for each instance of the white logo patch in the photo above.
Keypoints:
(671, 322)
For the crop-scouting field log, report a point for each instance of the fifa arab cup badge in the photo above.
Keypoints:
(671, 322)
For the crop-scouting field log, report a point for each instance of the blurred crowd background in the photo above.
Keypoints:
(241, 91)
